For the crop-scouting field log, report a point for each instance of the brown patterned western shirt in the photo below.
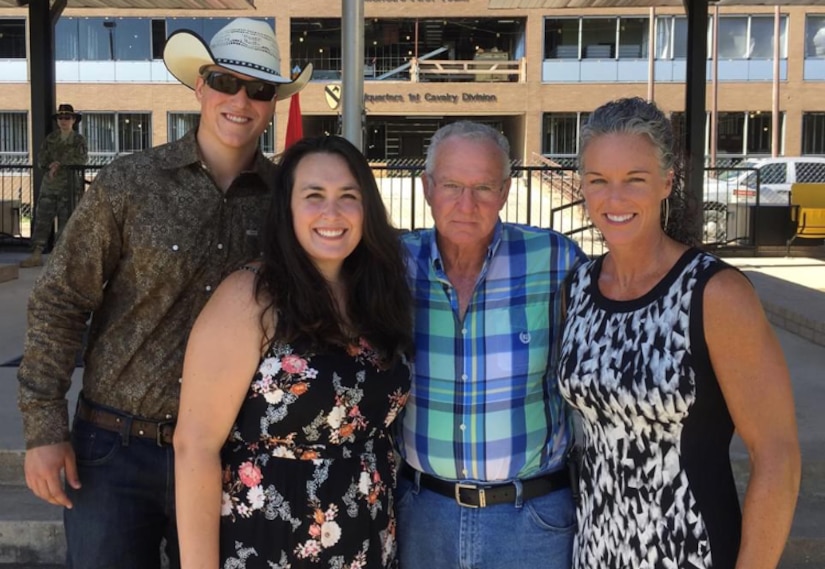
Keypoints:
(149, 242)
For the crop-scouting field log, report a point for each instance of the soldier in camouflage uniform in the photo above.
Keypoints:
(61, 187)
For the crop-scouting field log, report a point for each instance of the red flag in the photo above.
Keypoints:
(295, 124)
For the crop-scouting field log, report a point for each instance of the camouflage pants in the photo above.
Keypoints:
(52, 203)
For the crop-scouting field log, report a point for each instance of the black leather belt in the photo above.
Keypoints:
(161, 432)
(472, 495)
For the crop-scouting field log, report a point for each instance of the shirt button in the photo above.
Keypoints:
(464, 472)
(462, 427)
(168, 416)
(464, 331)
(208, 288)
(220, 245)
(175, 247)
(463, 377)
(180, 380)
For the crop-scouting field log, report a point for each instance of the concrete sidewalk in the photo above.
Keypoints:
(792, 291)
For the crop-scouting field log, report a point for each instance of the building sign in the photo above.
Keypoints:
(448, 98)
(332, 93)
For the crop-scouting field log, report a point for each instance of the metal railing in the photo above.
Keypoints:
(739, 209)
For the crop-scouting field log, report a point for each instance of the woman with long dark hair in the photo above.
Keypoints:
(294, 467)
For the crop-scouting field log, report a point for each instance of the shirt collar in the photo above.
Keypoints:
(185, 152)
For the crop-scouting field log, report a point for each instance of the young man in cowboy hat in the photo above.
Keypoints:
(150, 241)
(62, 186)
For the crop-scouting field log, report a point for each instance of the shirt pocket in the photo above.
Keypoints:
(517, 342)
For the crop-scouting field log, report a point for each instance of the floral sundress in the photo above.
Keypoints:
(308, 471)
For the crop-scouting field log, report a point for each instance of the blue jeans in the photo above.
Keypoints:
(434, 532)
(126, 505)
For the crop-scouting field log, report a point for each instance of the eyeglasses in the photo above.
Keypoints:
(480, 193)
(65, 117)
(229, 84)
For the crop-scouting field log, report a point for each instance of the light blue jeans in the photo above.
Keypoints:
(434, 532)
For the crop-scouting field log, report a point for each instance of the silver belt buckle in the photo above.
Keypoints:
(482, 500)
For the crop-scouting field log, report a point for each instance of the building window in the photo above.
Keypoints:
(126, 39)
(14, 138)
(813, 133)
(102, 39)
(761, 37)
(601, 38)
(745, 37)
(633, 38)
(12, 39)
(267, 141)
(730, 133)
(815, 36)
(598, 38)
(561, 134)
(671, 37)
(733, 38)
(760, 133)
(109, 135)
(561, 38)
(746, 133)
(179, 124)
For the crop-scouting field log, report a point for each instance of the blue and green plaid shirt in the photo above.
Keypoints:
(484, 403)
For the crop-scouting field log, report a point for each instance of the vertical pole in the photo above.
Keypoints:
(775, 125)
(695, 90)
(651, 55)
(41, 53)
(352, 48)
(714, 87)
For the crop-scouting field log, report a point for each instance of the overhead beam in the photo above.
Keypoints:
(57, 10)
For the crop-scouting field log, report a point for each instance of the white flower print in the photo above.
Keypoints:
(310, 548)
(255, 496)
(336, 416)
(282, 452)
(330, 534)
(226, 504)
(270, 366)
(364, 483)
(274, 397)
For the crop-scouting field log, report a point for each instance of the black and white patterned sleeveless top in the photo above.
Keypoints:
(657, 489)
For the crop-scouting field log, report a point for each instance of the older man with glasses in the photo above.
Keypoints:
(485, 434)
(62, 185)
(146, 247)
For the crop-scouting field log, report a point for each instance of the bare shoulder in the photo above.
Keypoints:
(236, 297)
(731, 306)
(730, 291)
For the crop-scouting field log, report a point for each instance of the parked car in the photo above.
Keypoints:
(755, 181)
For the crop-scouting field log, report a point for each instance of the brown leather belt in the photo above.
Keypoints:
(160, 431)
(473, 495)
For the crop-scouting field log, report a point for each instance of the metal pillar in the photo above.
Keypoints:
(41, 54)
(352, 48)
(695, 88)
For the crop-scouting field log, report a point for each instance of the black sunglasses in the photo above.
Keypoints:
(229, 84)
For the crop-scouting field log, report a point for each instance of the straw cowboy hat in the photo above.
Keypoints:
(66, 109)
(244, 46)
